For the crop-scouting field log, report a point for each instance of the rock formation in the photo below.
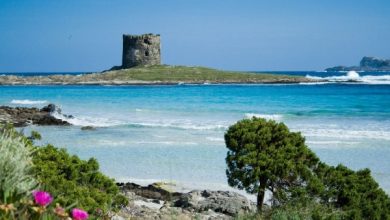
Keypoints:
(141, 50)
(22, 116)
(157, 202)
(366, 64)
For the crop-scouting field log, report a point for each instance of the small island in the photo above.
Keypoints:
(141, 65)
(366, 64)
(154, 75)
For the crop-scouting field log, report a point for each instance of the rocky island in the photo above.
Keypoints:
(141, 65)
(154, 75)
(366, 64)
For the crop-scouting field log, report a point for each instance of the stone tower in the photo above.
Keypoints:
(141, 50)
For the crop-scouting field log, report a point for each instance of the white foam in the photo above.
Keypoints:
(275, 117)
(28, 102)
(176, 125)
(88, 121)
(313, 83)
(215, 139)
(132, 143)
(106, 122)
(332, 142)
(347, 134)
(353, 76)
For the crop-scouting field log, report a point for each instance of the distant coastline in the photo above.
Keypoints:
(366, 64)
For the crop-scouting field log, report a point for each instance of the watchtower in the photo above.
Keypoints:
(141, 50)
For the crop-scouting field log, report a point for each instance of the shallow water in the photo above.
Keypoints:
(175, 133)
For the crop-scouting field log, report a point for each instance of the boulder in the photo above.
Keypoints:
(153, 191)
(88, 128)
(226, 202)
(223, 203)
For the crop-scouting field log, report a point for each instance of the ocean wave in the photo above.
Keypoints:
(353, 76)
(28, 102)
(88, 121)
(332, 142)
(181, 126)
(131, 143)
(347, 134)
(215, 139)
(275, 117)
(106, 122)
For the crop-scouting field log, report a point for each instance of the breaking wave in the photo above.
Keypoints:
(181, 126)
(275, 117)
(353, 76)
(105, 122)
(88, 121)
(28, 102)
(342, 134)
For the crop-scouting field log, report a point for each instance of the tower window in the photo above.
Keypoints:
(147, 41)
(146, 53)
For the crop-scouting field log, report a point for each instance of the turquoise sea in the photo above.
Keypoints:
(175, 133)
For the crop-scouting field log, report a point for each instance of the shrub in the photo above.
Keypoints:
(71, 179)
(16, 177)
(355, 192)
(265, 155)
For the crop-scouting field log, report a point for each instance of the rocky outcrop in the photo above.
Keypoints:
(22, 116)
(156, 201)
(375, 63)
(229, 203)
(366, 64)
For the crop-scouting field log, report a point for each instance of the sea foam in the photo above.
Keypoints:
(353, 76)
(28, 102)
(275, 117)
(88, 121)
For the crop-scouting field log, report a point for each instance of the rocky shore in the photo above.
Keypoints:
(158, 201)
(23, 116)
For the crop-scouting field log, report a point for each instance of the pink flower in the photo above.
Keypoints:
(42, 198)
(79, 214)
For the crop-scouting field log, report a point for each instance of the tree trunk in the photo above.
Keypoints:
(260, 198)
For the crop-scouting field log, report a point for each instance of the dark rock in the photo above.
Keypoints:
(88, 128)
(152, 191)
(51, 108)
(337, 69)
(23, 116)
(225, 202)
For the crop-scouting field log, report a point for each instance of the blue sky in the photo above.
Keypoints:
(64, 35)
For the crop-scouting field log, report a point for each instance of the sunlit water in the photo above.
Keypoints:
(175, 133)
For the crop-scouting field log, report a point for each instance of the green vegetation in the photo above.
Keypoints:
(16, 177)
(71, 181)
(354, 192)
(175, 74)
(159, 74)
(264, 155)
